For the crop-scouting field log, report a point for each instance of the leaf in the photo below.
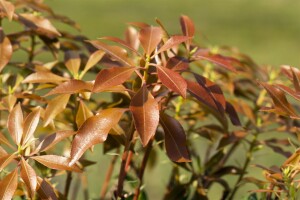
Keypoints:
(187, 27)
(121, 42)
(72, 62)
(56, 162)
(116, 53)
(83, 114)
(131, 37)
(51, 140)
(177, 64)
(45, 190)
(30, 124)
(175, 139)
(44, 77)
(39, 24)
(289, 91)
(72, 86)
(150, 37)
(3, 140)
(8, 8)
(29, 177)
(114, 76)
(54, 107)
(9, 185)
(234, 118)
(296, 78)
(279, 99)
(2, 152)
(15, 124)
(145, 111)
(172, 80)
(94, 130)
(93, 60)
(6, 160)
(173, 41)
(6, 49)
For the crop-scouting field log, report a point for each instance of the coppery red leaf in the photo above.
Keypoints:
(45, 190)
(8, 8)
(30, 124)
(177, 64)
(15, 124)
(150, 37)
(72, 62)
(83, 114)
(29, 177)
(44, 77)
(173, 41)
(187, 27)
(71, 87)
(5, 49)
(93, 60)
(9, 185)
(121, 42)
(6, 160)
(233, 116)
(145, 111)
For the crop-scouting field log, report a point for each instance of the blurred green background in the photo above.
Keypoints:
(266, 30)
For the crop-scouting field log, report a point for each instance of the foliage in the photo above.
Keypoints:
(153, 91)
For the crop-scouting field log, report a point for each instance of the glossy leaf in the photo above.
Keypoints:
(83, 114)
(187, 27)
(93, 60)
(289, 91)
(30, 124)
(51, 140)
(116, 53)
(94, 130)
(15, 124)
(173, 41)
(29, 177)
(172, 80)
(71, 87)
(3, 140)
(175, 139)
(72, 62)
(9, 185)
(56, 162)
(144, 109)
(131, 37)
(150, 37)
(8, 8)
(45, 190)
(54, 107)
(6, 49)
(296, 78)
(44, 77)
(111, 77)
(6, 160)
(121, 42)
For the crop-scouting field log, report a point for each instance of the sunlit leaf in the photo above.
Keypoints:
(172, 80)
(6, 160)
(131, 37)
(175, 139)
(173, 41)
(121, 42)
(2, 152)
(56, 162)
(144, 109)
(15, 124)
(150, 37)
(3, 140)
(94, 130)
(44, 77)
(8, 8)
(71, 87)
(9, 185)
(187, 27)
(54, 107)
(72, 62)
(296, 78)
(45, 190)
(116, 53)
(29, 177)
(93, 60)
(289, 91)
(5, 49)
(30, 124)
(83, 114)
(114, 76)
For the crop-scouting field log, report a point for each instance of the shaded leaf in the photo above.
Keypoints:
(83, 114)
(54, 107)
(2, 152)
(45, 190)
(30, 124)
(8, 8)
(71, 87)
(175, 139)
(15, 124)
(111, 77)
(172, 41)
(44, 77)
(172, 80)
(72, 62)
(6, 49)
(145, 113)
(289, 91)
(29, 177)
(150, 37)
(116, 53)
(94, 130)
(9, 185)
(56, 162)
(233, 116)
(178, 63)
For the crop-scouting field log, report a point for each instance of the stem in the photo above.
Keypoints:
(122, 173)
(108, 176)
(68, 184)
(31, 51)
(142, 169)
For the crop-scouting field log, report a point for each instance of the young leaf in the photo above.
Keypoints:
(187, 27)
(296, 78)
(8, 8)
(3, 140)
(9, 185)
(117, 53)
(177, 64)
(29, 177)
(72, 62)
(83, 114)
(54, 107)
(288, 90)
(173, 41)
(94, 130)
(15, 124)
(145, 111)
(131, 37)
(93, 60)
(6, 160)
(44, 77)
(150, 37)
(2, 152)
(121, 42)
(56, 162)
(172, 80)
(5, 49)
(71, 87)
(30, 124)
(45, 190)
(175, 139)
(114, 76)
